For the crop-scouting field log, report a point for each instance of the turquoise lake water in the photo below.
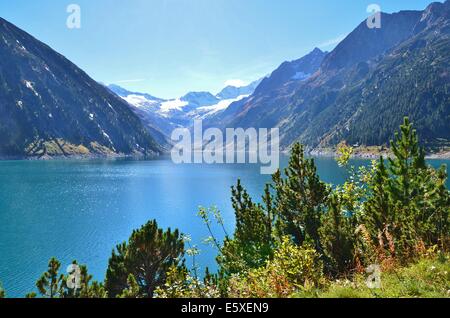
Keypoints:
(82, 209)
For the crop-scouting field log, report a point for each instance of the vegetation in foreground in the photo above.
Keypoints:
(427, 278)
(305, 239)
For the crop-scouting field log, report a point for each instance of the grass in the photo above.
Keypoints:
(60, 147)
(428, 278)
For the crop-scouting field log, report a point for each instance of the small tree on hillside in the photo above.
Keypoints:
(148, 255)
(337, 235)
(300, 199)
(54, 285)
(49, 285)
(252, 243)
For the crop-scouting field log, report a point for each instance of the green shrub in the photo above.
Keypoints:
(292, 268)
(180, 284)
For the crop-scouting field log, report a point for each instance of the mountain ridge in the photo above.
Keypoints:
(351, 97)
(165, 115)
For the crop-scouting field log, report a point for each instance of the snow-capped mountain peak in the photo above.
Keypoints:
(172, 105)
(208, 111)
(191, 106)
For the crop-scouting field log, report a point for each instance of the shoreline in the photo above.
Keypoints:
(321, 153)
(371, 156)
(82, 157)
(359, 153)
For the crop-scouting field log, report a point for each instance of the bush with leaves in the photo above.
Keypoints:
(293, 268)
(180, 284)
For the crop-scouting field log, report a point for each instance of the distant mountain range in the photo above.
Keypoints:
(359, 92)
(183, 110)
(49, 107)
(162, 116)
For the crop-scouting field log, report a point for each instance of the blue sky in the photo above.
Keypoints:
(169, 47)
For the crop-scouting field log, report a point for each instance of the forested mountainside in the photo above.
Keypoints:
(364, 88)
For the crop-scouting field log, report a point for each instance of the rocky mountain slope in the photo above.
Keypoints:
(363, 88)
(261, 109)
(50, 107)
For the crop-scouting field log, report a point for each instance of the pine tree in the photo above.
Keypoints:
(251, 245)
(433, 218)
(378, 216)
(412, 190)
(299, 199)
(377, 207)
(97, 290)
(404, 187)
(117, 273)
(269, 209)
(81, 286)
(441, 204)
(408, 205)
(148, 255)
(408, 159)
(337, 238)
(54, 285)
(49, 283)
(252, 223)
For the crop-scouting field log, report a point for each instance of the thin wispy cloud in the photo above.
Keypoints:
(137, 80)
(332, 42)
(235, 83)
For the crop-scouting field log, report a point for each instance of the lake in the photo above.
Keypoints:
(82, 209)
